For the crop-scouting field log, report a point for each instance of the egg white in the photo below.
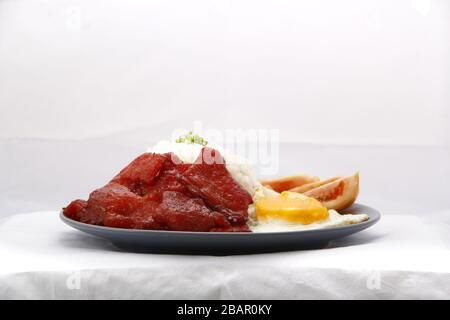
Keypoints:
(335, 219)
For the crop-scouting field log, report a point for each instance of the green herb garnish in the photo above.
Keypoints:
(191, 138)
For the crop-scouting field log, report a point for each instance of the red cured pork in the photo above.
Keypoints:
(111, 199)
(139, 175)
(180, 212)
(142, 218)
(169, 178)
(209, 179)
(159, 192)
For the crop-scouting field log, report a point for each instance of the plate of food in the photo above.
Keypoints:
(187, 196)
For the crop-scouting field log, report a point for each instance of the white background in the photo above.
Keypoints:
(352, 85)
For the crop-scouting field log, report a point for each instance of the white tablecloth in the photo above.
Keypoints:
(404, 256)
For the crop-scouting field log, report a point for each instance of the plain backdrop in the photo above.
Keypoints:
(352, 85)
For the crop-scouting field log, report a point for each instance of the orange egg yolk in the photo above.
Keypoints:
(291, 207)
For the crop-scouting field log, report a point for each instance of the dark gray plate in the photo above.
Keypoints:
(223, 243)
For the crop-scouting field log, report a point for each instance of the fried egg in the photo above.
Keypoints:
(291, 211)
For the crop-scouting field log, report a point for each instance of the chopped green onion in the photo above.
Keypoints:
(191, 138)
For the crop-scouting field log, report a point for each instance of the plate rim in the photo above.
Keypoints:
(374, 217)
